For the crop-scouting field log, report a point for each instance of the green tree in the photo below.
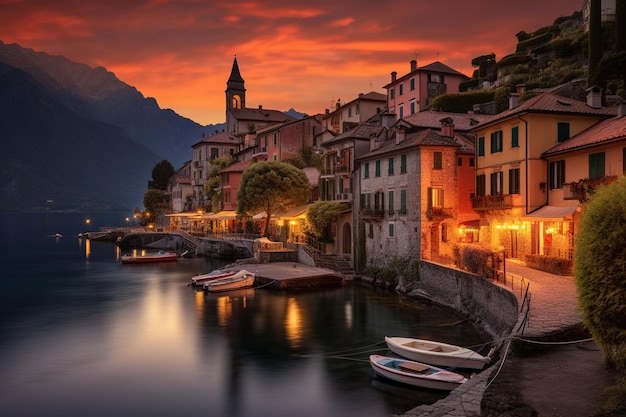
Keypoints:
(161, 174)
(320, 214)
(595, 41)
(214, 178)
(151, 200)
(271, 187)
(600, 270)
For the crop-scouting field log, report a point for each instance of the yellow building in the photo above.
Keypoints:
(515, 195)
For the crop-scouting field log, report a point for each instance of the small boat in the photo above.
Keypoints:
(160, 256)
(213, 275)
(415, 373)
(436, 353)
(239, 280)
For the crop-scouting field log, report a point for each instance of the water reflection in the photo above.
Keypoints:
(293, 323)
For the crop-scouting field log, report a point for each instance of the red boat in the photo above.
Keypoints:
(160, 256)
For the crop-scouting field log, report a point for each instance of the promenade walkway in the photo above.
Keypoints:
(553, 307)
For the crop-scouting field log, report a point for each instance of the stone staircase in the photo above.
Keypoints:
(339, 263)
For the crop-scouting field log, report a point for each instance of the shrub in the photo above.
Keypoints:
(550, 264)
(600, 270)
(477, 261)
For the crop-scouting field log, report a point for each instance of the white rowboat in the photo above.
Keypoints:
(213, 275)
(415, 373)
(436, 353)
(242, 279)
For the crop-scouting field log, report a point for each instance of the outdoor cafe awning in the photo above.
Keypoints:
(298, 212)
(550, 213)
(223, 215)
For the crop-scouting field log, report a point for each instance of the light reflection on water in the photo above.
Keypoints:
(81, 334)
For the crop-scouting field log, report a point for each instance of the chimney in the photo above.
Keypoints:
(521, 89)
(447, 127)
(393, 76)
(513, 100)
(260, 107)
(400, 134)
(594, 97)
(413, 65)
(621, 110)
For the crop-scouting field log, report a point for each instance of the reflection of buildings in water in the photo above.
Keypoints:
(200, 305)
(347, 309)
(87, 248)
(293, 323)
(225, 303)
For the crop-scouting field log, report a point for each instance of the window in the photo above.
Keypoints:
(436, 198)
(392, 93)
(481, 146)
(226, 177)
(390, 204)
(365, 201)
(412, 84)
(377, 168)
(214, 153)
(350, 112)
(471, 162)
(495, 179)
(437, 160)
(514, 181)
(481, 187)
(459, 161)
(402, 201)
(357, 109)
(596, 165)
(515, 137)
(557, 174)
(413, 106)
(371, 230)
(275, 139)
(562, 131)
(401, 110)
(403, 163)
(366, 170)
(379, 201)
(390, 167)
(400, 89)
(435, 78)
(226, 197)
(392, 230)
(496, 141)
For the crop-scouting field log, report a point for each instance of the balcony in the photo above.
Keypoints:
(343, 197)
(260, 150)
(571, 191)
(493, 202)
(438, 213)
(372, 213)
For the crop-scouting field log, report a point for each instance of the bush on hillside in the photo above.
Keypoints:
(600, 270)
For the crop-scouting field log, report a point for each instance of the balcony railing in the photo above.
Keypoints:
(372, 213)
(572, 192)
(343, 197)
(438, 212)
(492, 202)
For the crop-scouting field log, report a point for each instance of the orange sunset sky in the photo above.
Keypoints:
(292, 54)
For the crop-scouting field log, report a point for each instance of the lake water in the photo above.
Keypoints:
(83, 335)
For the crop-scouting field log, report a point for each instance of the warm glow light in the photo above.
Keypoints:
(87, 248)
(224, 311)
(347, 308)
(293, 323)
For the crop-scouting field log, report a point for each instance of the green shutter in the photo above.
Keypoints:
(515, 137)
(481, 146)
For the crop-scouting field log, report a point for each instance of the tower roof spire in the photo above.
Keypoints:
(235, 75)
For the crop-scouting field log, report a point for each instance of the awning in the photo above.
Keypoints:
(223, 215)
(470, 225)
(259, 216)
(296, 212)
(185, 214)
(550, 213)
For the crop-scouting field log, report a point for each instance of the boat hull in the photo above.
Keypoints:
(161, 257)
(431, 378)
(240, 280)
(436, 353)
(211, 276)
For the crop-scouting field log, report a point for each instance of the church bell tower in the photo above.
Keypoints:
(235, 90)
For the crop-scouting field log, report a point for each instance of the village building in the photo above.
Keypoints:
(414, 91)
(348, 115)
(516, 185)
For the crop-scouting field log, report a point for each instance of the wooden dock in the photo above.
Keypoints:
(292, 275)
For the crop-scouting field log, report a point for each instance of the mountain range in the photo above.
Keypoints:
(78, 138)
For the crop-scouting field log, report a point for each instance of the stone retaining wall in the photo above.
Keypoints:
(493, 308)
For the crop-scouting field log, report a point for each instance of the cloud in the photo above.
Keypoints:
(291, 53)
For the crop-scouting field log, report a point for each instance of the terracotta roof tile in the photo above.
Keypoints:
(606, 131)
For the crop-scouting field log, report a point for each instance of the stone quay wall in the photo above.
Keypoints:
(493, 308)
